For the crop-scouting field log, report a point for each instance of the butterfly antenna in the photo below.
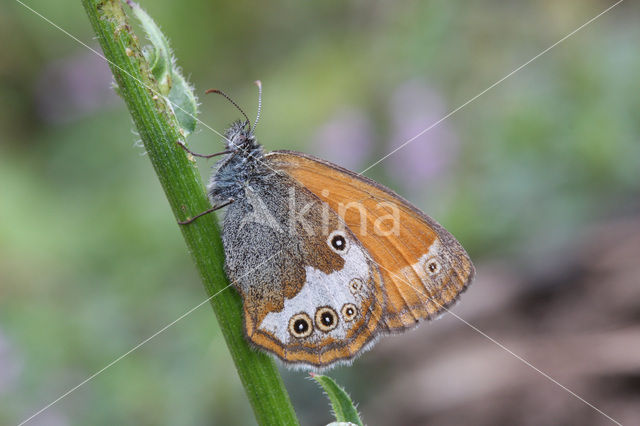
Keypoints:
(255, 123)
(220, 92)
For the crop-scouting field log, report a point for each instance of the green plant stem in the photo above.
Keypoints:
(183, 187)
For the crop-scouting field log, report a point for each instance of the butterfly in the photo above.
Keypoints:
(326, 261)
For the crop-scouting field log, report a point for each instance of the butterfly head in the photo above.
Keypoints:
(240, 138)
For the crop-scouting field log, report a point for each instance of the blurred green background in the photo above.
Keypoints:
(527, 177)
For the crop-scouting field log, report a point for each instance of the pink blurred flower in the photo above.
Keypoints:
(9, 365)
(346, 139)
(413, 107)
(73, 87)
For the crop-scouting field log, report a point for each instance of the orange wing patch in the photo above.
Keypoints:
(424, 268)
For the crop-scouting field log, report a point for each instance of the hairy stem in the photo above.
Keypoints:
(159, 130)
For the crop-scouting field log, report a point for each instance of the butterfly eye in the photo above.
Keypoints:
(338, 242)
(349, 311)
(300, 325)
(432, 266)
(326, 319)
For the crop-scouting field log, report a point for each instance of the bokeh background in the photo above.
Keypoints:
(539, 178)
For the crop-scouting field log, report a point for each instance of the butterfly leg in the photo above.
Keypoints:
(212, 209)
(195, 154)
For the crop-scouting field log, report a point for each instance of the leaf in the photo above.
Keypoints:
(343, 408)
(184, 103)
(159, 53)
(171, 82)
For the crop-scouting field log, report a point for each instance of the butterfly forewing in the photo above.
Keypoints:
(423, 267)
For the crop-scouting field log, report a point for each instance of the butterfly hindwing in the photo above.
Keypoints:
(311, 293)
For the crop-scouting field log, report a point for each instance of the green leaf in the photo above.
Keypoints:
(158, 55)
(183, 103)
(343, 408)
(168, 75)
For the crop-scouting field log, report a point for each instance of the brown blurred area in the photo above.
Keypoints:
(573, 314)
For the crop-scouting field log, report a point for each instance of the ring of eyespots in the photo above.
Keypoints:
(300, 325)
(432, 266)
(338, 242)
(349, 311)
(326, 319)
